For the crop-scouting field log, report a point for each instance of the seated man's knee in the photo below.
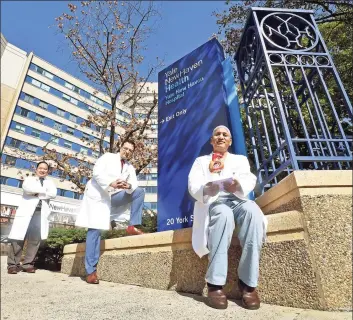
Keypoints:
(253, 210)
(222, 211)
(139, 192)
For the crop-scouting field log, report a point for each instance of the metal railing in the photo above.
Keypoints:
(298, 113)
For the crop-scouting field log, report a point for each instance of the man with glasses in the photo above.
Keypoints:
(112, 191)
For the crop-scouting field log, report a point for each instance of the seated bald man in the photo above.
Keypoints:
(218, 208)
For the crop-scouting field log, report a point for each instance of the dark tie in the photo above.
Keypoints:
(39, 205)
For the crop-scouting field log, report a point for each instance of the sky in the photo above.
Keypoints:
(184, 26)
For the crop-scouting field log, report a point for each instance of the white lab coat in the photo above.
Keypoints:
(236, 166)
(28, 204)
(95, 209)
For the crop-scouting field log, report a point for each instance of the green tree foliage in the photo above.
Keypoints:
(339, 41)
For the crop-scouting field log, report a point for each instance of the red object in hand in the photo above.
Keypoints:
(216, 165)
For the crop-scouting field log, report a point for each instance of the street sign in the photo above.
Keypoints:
(192, 101)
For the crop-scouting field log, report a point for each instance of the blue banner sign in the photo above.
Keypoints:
(192, 101)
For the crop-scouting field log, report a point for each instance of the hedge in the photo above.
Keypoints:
(50, 252)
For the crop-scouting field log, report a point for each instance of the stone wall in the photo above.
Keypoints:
(305, 263)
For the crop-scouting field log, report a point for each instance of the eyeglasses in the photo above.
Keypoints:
(127, 149)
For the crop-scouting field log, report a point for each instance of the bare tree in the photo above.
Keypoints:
(107, 41)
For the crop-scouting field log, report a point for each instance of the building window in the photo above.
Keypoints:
(69, 86)
(29, 99)
(95, 154)
(96, 100)
(72, 118)
(70, 131)
(72, 87)
(55, 140)
(76, 195)
(39, 118)
(67, 144)
(60, 173)
(148, 176)
(85, 137)
(45, 87)
(68, 194)
(24, 112)
(20, 128)
(43, 105)
(31, 148)
(3, 180)
(15, 143)
(69, 99)
(151, 189)
(60, 192)
(151, 205)
(58, 126)
(84, 150)
(60, 112)
(35, 133)
(36, 83)
(91, 109)
(74, 101)
(66, 97)
(14, 182)
(10, 161)
(44, 73)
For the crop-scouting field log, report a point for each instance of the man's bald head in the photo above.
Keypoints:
(218, 127)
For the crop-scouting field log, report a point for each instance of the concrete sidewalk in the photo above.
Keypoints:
(46, 295)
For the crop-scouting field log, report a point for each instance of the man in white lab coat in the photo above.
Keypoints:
(112, 190)
(220, 183)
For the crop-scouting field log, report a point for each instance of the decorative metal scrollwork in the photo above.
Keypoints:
(289, 32)
(298, 114)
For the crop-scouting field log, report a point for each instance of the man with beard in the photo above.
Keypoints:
(112, 190)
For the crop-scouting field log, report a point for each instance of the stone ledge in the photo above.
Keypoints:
(280, 223)
(308, 182)
(307, 256)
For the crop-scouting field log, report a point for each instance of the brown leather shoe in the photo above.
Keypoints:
(12, 270)
(133, 231)
(250, 299)
(92, 278)
(29, 269)
(216, 298)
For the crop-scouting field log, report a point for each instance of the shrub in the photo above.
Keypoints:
(50, 252)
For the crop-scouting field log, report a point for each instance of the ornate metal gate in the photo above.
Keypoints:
(298, 114)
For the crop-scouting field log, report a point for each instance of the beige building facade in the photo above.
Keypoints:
(41, 103)
(13, 62)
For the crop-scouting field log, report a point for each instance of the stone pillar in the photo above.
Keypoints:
(325, 200)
